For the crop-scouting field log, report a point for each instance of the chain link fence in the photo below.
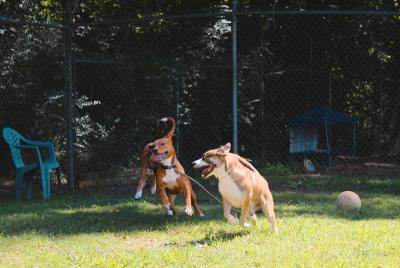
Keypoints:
(128, 75)
(298, 70)
(31, 86)
(141, 73)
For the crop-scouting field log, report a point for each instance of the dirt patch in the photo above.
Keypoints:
(137, 243)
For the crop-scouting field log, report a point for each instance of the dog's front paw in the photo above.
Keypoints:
(170, 212)
(246, 225)
(138, 195)
(243, 223)
(189, 211)
(232, 219)
(253, 219)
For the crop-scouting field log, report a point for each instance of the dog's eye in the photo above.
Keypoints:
(162, 144)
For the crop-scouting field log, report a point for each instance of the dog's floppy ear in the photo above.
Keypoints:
(224, 149)
(147, 149)
(148, 146)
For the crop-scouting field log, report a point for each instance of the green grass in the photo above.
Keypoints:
(112, 230)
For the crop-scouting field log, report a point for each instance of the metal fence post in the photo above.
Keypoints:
(68, 95)
(234, 80)
(177, 71)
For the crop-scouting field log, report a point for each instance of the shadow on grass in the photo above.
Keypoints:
(94, 212)
(220, 236)
(79, 213)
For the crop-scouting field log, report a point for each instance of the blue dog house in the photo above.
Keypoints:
(304, 130)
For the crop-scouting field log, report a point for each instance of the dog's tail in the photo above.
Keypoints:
(246, 163)
(172, 121)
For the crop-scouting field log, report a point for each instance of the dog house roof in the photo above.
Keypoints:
(321, 116)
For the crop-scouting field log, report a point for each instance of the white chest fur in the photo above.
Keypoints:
(170, 178)
(170, 174)
(228, 188)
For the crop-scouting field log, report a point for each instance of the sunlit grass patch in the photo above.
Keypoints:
(113, 230)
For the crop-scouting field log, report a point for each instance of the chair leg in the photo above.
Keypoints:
(59, 186)
(45, 177)
(28, 182)
(18, 184)
(48, 175)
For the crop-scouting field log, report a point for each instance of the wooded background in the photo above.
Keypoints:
(135, 62)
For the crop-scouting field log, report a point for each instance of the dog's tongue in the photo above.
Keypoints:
(156, 157)
(205, 171)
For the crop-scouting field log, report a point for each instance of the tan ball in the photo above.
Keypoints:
(348, 200)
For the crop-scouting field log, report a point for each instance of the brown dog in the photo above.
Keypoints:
(170, 175)
(240, 184)
(149, 167)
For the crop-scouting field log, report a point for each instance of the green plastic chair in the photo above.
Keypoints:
(17, 144)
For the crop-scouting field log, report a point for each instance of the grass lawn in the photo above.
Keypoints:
(105, 229)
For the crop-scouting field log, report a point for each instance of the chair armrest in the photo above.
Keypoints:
(46, 144)
(37, 143)
(35, 148)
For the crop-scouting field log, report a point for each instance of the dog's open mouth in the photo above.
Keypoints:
(206, 170)
(157, 157)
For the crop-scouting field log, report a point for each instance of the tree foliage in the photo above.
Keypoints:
(126, 76)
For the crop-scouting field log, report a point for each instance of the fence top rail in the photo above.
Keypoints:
(151, 18)
(327, 11)
(15, 21)
(228, 13)
(225, 13)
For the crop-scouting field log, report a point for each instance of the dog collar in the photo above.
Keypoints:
(168, 167)
(229, 170)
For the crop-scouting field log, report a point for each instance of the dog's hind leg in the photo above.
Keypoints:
(268, 210)
(153, 188)
(245, 210)
(139, 188)
(145, 164)
(196, 205)
(142, 179)
(252, 214)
